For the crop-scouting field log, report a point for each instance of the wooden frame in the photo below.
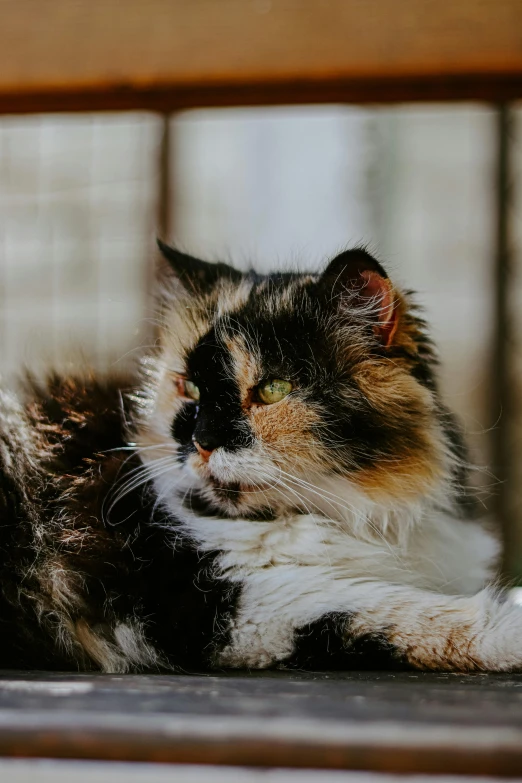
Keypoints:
(354, 721)
(167, 55)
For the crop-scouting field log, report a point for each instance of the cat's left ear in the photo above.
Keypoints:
(357, 279)
(198, 277)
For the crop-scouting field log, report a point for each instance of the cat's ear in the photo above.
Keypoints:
(356, 280)
(198, 277)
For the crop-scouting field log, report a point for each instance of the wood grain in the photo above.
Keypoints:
(76, 737)
(169, 54)
(393, 722)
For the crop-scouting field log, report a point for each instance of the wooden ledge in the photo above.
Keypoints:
(388, 722)
(167, 55)
(177, 97)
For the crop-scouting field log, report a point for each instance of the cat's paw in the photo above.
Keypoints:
(255, 647)
(232, 658)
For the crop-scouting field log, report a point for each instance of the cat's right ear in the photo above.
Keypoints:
(198, 277)
(356, 279)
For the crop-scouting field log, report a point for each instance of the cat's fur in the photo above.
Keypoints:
(141, 529)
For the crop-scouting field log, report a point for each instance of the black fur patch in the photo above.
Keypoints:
(220, 420)
(326, 646)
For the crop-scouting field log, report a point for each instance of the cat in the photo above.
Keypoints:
(279, 485)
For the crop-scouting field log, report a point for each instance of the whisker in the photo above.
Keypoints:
(137, 449)
(135, 478)
(341, 503)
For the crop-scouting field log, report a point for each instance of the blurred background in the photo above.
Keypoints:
(83, 195)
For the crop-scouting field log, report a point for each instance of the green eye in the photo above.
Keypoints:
(192, 391)
(273, 390)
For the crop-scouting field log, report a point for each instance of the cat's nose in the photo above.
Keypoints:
(208, 435)
(204, 449)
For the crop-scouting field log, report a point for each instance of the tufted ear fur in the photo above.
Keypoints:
(198, 277)
(358, 274)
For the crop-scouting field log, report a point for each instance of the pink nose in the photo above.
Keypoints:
(205, 453)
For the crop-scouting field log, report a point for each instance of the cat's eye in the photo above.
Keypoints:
(191, 390)
(186, 388)
(273, 390)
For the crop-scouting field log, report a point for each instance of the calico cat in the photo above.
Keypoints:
(280, 485)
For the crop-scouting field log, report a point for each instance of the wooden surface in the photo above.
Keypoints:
(61, 771)
(169, 54)
(383, 722)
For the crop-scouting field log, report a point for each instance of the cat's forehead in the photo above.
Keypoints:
(279, 323)
(278, 308)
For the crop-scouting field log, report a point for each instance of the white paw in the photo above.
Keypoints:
(255, 647)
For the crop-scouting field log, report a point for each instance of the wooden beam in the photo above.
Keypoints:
(503, 401)
(389, 722)
(57, 55)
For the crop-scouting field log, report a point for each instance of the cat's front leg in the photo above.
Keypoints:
(262, 632)
(429, 630)
(482, 632)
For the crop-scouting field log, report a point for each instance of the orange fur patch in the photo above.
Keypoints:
(402, 402)
(285, 427)
(407, 477)
(246, 368)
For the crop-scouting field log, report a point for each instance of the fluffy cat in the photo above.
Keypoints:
(281, 484)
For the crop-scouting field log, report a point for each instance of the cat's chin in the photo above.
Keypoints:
(236, 497)
(226, 478)
(229, 501)
(235, 483)
(230, 485)
(235, 487)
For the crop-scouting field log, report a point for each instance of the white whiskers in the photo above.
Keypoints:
(137, 477)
